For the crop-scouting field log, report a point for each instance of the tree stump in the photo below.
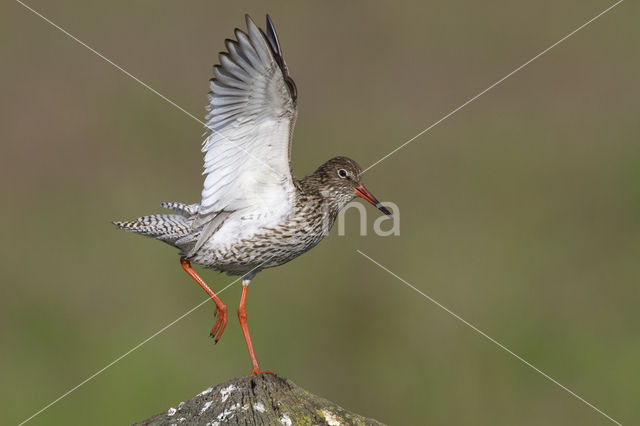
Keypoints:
(260, 400)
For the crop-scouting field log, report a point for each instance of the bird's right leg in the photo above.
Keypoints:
(242, 316)
(221, 308)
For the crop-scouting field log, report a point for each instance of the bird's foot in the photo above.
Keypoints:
(257, 371)
(221, 322)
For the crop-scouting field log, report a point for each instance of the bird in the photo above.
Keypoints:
(254, 213)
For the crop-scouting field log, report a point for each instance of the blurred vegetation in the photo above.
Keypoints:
(519, 213)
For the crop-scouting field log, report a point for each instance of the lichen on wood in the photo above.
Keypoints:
(260, 400)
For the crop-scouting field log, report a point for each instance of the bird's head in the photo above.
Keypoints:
(340, 179)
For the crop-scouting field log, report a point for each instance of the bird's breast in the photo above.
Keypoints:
(248, 240)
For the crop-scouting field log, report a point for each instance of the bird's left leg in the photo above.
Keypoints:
(242, 316)
(221, 308)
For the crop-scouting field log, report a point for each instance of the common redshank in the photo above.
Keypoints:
(254, 214)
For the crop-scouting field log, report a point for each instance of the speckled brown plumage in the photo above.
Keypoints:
(318, 200)
(317, 203)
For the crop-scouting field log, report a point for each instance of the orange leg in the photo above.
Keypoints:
(242, 316)
(221, 308)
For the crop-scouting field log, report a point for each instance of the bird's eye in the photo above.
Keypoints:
(342, 173)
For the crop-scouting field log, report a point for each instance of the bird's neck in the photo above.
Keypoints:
(316, 195)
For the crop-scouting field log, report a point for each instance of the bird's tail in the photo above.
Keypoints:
(164, 227)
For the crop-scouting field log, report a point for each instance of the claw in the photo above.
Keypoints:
(219, 326)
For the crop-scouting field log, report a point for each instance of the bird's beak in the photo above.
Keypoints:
(362, 192)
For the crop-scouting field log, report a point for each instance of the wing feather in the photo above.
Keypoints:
(252, 110)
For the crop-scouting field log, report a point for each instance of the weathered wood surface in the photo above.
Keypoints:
(260, 400)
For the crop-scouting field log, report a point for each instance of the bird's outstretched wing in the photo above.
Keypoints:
(252, 111)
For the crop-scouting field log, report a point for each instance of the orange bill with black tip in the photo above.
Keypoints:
(362, 192)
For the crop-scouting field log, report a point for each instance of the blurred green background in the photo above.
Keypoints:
(519, 213)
